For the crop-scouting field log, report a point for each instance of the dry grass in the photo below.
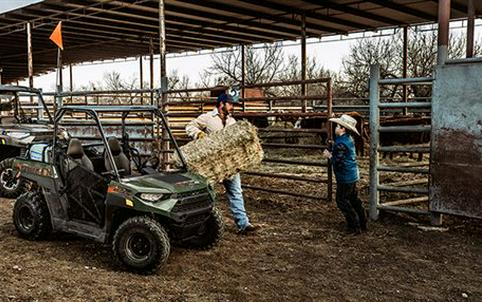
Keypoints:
(224, 153)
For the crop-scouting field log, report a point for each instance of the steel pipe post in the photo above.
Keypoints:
(163, 78)
(71, 82)
(374, 140)
(329, 112)
(470, 28)
(303, 59)
(443, 31)
(29, 55)
(243, 74)
(71, 79)
(405, 64)
(141, 74)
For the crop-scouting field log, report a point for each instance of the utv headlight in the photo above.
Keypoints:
(151, 197)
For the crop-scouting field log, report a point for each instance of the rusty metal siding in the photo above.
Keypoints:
(456, 158)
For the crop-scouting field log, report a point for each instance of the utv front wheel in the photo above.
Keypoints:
(141, 245)
(210, 233)
(11, 186)
(31, 216)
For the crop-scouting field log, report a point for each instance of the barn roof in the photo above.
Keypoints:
(108, 29)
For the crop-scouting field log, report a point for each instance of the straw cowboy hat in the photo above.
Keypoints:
(346, 121)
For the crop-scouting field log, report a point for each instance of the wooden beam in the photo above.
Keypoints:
(404, 9)
(173, 23)
(201, 19)
(457, 6)
(273, 17)
(309, 14)
(354, 11)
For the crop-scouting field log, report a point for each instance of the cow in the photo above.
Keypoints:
(404, 138)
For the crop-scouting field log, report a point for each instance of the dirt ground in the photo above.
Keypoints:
(300, 254)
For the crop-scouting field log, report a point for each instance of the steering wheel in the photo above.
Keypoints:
(153, 161)
(24, 119)
(137, 159)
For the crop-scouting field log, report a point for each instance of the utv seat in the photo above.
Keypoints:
(120, 159)
(77, 156)
(7, 120)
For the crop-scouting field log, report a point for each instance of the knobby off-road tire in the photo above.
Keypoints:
(141, 245)
(211, 233)
(9, 186)
(31, 216)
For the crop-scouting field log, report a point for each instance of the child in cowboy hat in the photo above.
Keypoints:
(345, 166)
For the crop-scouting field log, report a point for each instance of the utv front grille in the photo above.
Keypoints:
(191, 193)
(192, 201)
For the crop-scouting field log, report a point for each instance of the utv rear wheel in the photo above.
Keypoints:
(210, 234)
(11, 186)
(141, 245)
(31, 216)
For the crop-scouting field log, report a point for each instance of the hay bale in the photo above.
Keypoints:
(224, 153)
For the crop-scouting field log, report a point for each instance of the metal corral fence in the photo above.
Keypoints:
(185, 104)
(266, 113)
(417, 201)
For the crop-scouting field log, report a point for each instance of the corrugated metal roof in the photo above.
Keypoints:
(108, 29)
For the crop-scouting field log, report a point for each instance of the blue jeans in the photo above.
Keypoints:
(234, 193)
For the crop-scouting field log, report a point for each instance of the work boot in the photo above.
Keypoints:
(250, 228)
(351, 230)
(363, 220)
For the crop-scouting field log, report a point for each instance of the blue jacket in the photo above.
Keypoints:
(344, 161)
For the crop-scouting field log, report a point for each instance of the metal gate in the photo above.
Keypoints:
(415, 204)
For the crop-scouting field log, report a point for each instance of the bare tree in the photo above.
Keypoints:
(262, 65)
(422, 55)
(422, 50)
(292, 71)
(364, 53)
(177, 82)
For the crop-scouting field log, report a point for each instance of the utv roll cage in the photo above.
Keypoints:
(93, 112)
(15, 91)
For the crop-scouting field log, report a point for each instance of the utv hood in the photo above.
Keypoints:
(32, 128)
(24, 134)
(166, 183)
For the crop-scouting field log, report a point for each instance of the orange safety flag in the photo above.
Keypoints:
(56, 36)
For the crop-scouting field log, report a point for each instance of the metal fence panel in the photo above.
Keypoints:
(456, 165)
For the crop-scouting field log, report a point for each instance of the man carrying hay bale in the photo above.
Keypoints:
(213, 121)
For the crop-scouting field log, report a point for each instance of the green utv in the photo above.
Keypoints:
(90, 190)
(22, 123)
